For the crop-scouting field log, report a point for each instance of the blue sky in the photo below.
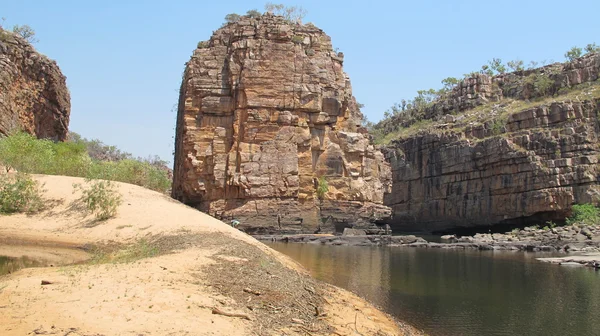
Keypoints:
(124, 59)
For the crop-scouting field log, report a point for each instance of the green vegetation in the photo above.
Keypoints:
(81, 158)
(203, 44)
(584, 214)
(101, 198)
(322, 187)
(573, 53)
(20, 193)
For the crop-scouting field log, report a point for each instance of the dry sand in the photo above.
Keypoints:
(203, 265)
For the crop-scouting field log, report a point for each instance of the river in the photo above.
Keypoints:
(460, 293)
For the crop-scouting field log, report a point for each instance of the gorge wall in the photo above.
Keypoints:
(266, 115)
(500, 150)
(33, 94)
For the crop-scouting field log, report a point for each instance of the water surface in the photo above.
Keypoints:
(459, 293)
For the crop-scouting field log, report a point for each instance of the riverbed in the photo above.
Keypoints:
(452, 293)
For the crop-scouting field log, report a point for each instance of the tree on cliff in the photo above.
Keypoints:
(290, 13)
(25, 31)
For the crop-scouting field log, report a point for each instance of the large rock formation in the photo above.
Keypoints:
(266, 113)
(508, 161)
(33, 94)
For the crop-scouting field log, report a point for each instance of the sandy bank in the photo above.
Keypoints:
(199, 265)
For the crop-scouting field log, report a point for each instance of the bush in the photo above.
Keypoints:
(82, 158)
(585, 214)
(253, 13)
(101, 198)
(20, 193)
(203, 44)
(232, 17)
(574, 53)
(322, 187)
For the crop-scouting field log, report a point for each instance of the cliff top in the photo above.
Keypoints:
(484, 100)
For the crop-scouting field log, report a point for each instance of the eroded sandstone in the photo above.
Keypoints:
(33, 94)
(265, 112)
(508, 165)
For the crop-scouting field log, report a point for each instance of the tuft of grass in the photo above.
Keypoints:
(100, 197)
(322, 187)
(20, 193)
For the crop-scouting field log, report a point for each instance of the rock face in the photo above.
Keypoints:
(33, 95)
(265, 113)
(530, 165)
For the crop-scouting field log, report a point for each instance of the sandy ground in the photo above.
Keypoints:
(203, 266)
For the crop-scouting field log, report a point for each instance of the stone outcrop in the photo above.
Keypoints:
(266, 114)
(515, 167)
(33, 95)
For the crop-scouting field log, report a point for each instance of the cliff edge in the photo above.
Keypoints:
(33, 93)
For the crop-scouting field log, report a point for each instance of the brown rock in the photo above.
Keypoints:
(265, 111)
(33, 94)
(536, 171)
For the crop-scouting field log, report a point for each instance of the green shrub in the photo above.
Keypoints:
(585, 214)
(322, 187)
(203, 44)
(20, 193)
(27, 154)
(573, 53)
(297, 39)
(101, 198)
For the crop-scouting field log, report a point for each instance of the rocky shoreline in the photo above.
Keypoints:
(573, 238)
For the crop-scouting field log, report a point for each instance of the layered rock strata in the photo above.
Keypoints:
(33, 94)
(266, 118)
(519, 167)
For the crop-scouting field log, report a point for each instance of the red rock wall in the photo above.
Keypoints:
(33, 93)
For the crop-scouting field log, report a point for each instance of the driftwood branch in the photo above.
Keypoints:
(228, 314)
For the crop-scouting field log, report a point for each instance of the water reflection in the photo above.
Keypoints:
(449, 292)
(9, 265)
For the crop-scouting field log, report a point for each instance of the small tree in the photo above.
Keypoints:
(574, 53)
(497, 66)
(290, 13)
(232, 17)
(449, 83)
(25, 32)
(592, 48)
(516, 65)
(253, 13)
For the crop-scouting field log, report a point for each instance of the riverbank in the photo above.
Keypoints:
(572, 238)
(163, 268)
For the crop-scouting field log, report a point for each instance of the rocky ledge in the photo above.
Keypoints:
(574, 238)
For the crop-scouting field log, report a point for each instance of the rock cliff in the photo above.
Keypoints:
(266, 116)
(501, 150)
(33, 94)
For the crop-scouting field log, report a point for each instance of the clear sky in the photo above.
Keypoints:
(124, 59)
